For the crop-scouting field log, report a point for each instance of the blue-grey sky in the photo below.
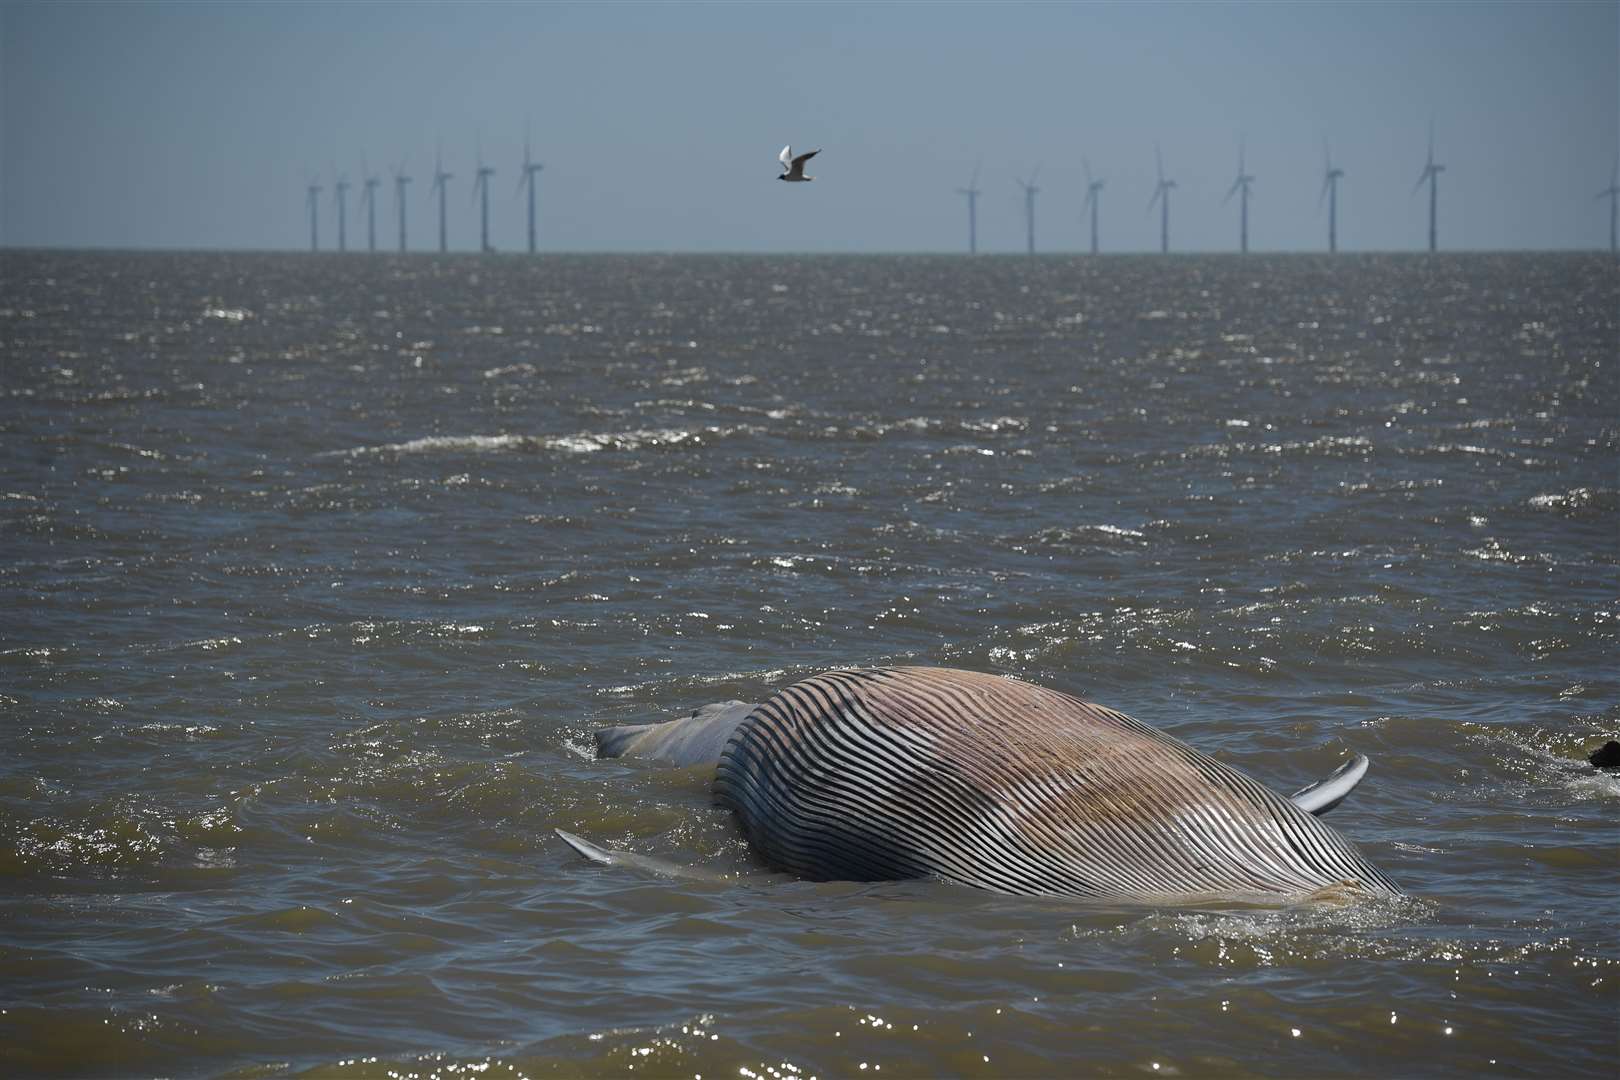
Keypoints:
(198, 125)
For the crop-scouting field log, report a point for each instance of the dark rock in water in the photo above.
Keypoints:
(1607, 756)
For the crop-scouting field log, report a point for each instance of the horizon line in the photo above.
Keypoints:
(1016, 253)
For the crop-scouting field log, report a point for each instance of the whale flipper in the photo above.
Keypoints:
(586, 848)
(1325, 794)
(608, 857)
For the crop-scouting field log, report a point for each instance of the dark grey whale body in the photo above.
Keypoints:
(991, 782)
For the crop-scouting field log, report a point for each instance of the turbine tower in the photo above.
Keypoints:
(400, 180)
(440, 177)
(1431, 173)
(1330, 192)
(368, 196)
(1161, 195)
(972, 193)
(481, 192)
(340, 195)
(531, 170)
(1241, 185)
(313, 199)
(1092, 188)
(1030, 191)
(1612, 193)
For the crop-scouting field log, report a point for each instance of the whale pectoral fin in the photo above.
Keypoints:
(586, 848)
(608, 857)
(1325, 794)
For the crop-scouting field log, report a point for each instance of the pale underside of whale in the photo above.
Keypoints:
(992, 782)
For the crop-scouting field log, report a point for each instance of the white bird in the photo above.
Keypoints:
(793, 167)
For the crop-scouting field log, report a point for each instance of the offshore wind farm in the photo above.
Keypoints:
(1087, 194)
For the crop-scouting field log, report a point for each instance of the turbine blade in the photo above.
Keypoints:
(1327, 181)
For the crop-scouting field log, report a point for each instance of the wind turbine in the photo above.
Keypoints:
(439, 185)
(313, 200)
(1330, 192)
(1613, 195)
(972, 193)
(1030, 191)
(1431, 173)
(1161, 195)
(340, 195)
(368, 196)
(531, 170)
(481, 191)
(400, 180)
(1241, 184)
(1092, 188)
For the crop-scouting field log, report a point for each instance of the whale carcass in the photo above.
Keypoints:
(996, 783)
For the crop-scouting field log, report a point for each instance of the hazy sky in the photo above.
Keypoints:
(199, 124)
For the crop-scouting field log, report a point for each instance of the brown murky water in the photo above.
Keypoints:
(320, 571)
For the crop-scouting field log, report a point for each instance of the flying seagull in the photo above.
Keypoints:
(793, 167)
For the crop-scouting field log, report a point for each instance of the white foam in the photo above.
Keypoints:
(585, 442)
(432, 443)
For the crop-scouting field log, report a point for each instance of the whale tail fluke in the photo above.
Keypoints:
(1325, 794)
